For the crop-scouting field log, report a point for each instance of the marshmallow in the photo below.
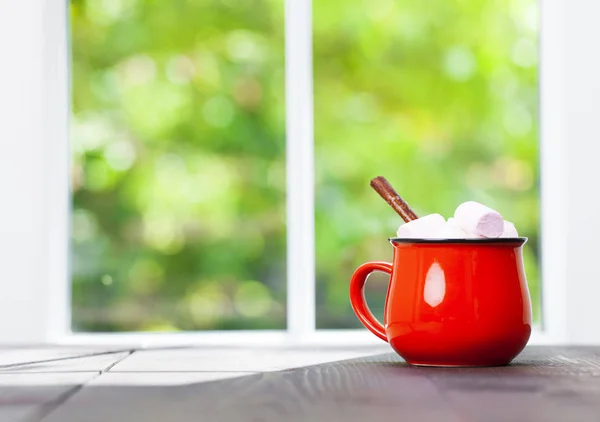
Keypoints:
(479, 220)
(509, 230)
(451, 230)
(424, 227)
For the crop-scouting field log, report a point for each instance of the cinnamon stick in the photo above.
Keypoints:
(389, 194)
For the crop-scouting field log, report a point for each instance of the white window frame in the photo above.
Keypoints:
(35, 160)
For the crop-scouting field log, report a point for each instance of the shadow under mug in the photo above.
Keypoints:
(451, 302)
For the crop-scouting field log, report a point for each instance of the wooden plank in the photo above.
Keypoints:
(329, 391)
(544, 384)
(236, 360)
(96, 363)
(28, 397)
(25, 355)
(114, 379)
(531, 398)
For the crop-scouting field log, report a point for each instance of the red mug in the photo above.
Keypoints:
(451, 302)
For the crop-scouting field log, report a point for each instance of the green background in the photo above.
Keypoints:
(178, 148)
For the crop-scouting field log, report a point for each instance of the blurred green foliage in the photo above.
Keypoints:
(178, 165)
(178, 147)
(440, 98)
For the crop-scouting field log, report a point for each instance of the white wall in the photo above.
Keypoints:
(581, 108)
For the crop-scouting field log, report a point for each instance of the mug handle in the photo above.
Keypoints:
(357, 296)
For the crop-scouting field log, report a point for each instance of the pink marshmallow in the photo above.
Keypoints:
(509, 230)
(424, 227)
(478, 220)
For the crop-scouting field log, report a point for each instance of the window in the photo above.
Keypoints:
(178, 180)
(179, 150)
(35, 300)
(439, 98)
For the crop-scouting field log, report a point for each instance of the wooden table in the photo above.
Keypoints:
(186, 384)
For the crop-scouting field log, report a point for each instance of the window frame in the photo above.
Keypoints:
(35, 293)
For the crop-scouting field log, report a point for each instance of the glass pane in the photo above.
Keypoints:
(178, 156)
(440, 98)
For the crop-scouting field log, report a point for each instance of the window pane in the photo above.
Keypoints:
(178, 165)
(440, 98)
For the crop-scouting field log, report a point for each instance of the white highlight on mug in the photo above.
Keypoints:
(435, 285)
